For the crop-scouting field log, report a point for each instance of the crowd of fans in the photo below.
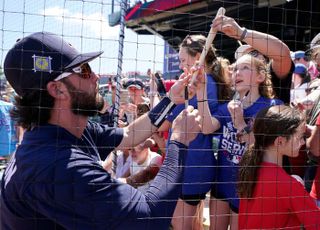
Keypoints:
(257, 150)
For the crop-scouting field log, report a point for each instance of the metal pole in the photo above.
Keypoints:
(123, 6)
(120, 55)
(112, 6)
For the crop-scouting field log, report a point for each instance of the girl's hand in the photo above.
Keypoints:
(236, 111)
(176, 92)
(194, 84)
(228, 26)
(198, 80)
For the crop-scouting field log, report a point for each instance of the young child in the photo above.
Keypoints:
(269, 197)
(142, 159)
(233, 122)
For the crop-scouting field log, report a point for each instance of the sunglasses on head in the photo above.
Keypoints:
(84, 71)
(254, 53)
(189, 42)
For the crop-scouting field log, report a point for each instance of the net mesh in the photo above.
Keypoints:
(154, 30)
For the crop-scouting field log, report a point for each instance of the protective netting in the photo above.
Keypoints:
(146, 45)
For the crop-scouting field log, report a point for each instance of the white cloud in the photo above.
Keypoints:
(95, 24)
(55, 11)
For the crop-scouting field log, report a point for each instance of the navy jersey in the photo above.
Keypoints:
(54, 181)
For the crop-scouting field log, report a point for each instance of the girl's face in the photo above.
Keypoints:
(293, 144)
(245, 75)
(186, 60)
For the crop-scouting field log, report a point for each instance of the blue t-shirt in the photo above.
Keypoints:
(8, 137)
(231, 151)
(54, 181)
(199, 172)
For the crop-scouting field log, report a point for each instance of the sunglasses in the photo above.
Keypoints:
(192, 44)
(84, 71)
(256, 53)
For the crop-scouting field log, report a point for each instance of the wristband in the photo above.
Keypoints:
(158, 114)
(244, 34)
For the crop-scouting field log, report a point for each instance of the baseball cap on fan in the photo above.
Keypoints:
(38, 59)
(135, 83)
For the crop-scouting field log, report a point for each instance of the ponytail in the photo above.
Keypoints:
(269, 123)
(249, 165)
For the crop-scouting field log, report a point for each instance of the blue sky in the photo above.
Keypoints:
(84, 23)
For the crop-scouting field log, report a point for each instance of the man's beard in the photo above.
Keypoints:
(83, 103)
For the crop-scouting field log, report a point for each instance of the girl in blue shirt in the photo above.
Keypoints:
(233, 120)
(199, 172)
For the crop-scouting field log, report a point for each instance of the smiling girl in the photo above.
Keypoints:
(196, 184)
(233, 121)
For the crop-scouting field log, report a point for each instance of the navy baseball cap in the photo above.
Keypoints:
(39, 58)
(136, 83)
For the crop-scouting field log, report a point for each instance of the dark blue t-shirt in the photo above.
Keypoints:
(200, 167)
(54, 181)
(231, 151)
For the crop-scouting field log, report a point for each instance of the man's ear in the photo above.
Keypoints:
(54, 89)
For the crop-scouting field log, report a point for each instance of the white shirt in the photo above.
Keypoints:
(152, 159)
(122, 166)
(299, 93)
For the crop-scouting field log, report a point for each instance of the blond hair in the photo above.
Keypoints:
(265, 87)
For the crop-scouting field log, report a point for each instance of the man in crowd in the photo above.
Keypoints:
(136, 91)
(54, 180)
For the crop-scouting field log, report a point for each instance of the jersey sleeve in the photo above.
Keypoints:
(175, 112)
(106, 138)
(84, 196)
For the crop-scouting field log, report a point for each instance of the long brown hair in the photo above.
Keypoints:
(32, 109)
(194, 45)
(270, 123)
